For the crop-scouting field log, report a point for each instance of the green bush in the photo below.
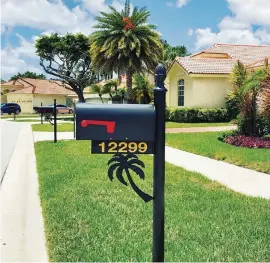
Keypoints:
(222, 136)
(245, 125)
(167, 114)
(193, 115)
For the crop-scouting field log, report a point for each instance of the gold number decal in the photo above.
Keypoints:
(142, 147)
(102, 145)
(112, 147)
(123, 147)
(133, 147)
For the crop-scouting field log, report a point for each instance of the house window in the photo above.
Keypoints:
(181, 92)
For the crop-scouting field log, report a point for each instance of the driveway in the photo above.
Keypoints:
(9, 135)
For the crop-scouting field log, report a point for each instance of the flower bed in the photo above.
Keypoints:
(248, 141)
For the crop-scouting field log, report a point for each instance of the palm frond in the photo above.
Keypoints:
(131, 155)
(138, 171)
(135, 161)
(127, 8)
(114, 159)
(119, 175)
(111, 170)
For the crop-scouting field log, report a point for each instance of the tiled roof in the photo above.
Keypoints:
(245, 53)
(258, 63)
(206, 65)
(40, 86)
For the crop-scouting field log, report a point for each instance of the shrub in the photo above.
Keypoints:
(194, 115)
(245, 125)
(167, 114)
(222, 136)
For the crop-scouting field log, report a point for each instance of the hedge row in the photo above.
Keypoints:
(196, 115)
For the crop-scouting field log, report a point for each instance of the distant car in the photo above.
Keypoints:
(60, 108)
(10, 108)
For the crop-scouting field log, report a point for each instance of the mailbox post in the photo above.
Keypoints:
(159, 165)
(127, 130)
(41, 115)
(55, 122)
(50, 113)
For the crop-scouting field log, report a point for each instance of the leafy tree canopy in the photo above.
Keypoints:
(28, 74)
(67, 58)
(171, 52)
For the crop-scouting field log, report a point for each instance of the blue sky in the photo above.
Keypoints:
(196, 24)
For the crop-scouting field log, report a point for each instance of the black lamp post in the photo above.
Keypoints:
(159, 165)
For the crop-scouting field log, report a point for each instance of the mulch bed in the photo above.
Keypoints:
(248, 141)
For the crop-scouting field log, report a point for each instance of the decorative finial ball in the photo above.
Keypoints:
(160, 73)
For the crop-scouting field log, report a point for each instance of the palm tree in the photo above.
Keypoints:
(252, 89)
(143, 91)
(97, 89)
(125, 43)
(264, 98)
(121, 163)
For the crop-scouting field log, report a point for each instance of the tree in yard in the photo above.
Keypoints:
(125, 43)
(264, 98)
(243, 99)
(121, 163)
(143, 90)
(237, 80)
(170, 53)
(248, 105)
(97, 89)
(67, 58)
(28, 74)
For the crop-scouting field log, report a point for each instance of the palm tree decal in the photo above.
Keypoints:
(120, 163)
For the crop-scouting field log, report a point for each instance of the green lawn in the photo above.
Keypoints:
(207, 144)
(191, 125)
(61, 127)
(89, 218)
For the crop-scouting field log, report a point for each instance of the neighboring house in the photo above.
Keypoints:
(201, 80)
(33, 92)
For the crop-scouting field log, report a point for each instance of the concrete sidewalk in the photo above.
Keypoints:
(49, 136)
(22, 230)
(237, 178)
(201, 129)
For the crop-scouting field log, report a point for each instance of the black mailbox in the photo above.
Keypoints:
(118, 122)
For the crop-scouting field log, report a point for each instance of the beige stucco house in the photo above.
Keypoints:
(201, 80)
(33, 92)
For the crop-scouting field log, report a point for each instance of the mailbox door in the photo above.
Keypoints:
(118, 122)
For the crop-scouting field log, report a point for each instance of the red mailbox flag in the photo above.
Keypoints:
(110, 125)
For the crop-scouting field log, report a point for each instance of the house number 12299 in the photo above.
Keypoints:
(113, 147)
(123, 147)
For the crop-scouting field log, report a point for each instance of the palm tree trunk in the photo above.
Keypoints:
(129, 84)
(101, 98)
(254, 114)
(137, 190)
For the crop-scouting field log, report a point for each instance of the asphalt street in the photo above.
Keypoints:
(9, 136)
